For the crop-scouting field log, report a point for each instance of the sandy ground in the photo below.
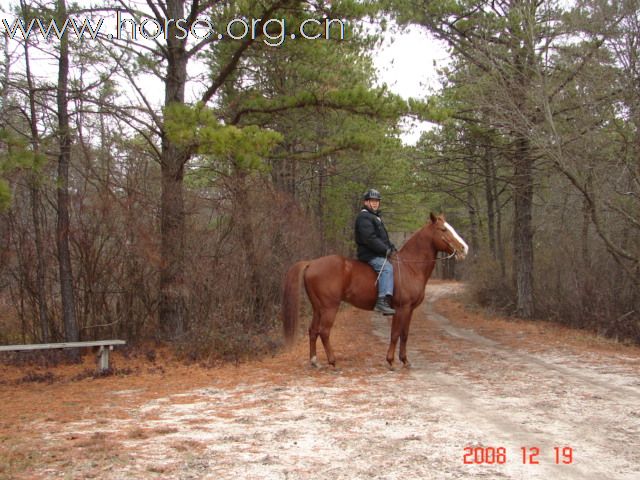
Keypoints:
(485, 398)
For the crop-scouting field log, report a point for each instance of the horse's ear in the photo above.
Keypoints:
(442, 217)
(433, 218)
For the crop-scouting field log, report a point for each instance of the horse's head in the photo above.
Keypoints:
(446, 239)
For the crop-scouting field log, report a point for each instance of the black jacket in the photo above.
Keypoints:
(371, 235)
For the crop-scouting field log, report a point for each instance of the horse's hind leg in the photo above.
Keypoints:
(314, 331)
(327, 317)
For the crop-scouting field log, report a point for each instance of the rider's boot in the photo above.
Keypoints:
(382, 306)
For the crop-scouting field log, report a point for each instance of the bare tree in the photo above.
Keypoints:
(36, 202)
(64, 159)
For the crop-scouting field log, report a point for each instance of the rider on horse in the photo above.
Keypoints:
(375, 248)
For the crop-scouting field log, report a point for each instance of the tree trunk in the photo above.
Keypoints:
(283, 171)
(586, 223)
(488, 190)
(496, 199)
(173, 289)
(243, 218)
(471, 209)
(491, 216)
(43, 310)
(41, 291)
(320, 205)
(64, 158)
(523, 230)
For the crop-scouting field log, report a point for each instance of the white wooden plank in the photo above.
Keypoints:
(45, 346)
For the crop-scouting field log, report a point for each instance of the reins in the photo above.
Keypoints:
(381, 268)
(453, 254)
(400, 260)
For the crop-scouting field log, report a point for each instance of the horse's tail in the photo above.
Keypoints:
(291, 300)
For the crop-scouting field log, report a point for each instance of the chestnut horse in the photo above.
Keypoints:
(332, 279)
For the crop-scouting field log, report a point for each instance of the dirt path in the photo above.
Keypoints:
(480, 395)
(492, 395)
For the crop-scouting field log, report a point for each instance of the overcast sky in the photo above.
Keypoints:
(407, 63)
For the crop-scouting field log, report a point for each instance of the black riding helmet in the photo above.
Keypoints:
(372, 194)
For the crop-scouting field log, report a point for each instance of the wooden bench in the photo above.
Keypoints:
(103, 354)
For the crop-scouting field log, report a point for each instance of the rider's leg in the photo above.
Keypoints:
(385, 284)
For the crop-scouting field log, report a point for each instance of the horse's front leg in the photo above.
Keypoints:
(404, 336)
(395, 334)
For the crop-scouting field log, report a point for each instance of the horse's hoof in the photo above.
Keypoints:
(406, 364)
(391, 367)
(314, 362)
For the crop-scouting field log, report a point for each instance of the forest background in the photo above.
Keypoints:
(157, 189)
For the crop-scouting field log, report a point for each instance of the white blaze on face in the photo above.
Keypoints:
(457, 237)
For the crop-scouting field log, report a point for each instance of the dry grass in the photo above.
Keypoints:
(68, 396)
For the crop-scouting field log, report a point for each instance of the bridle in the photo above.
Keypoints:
(455, 250)
(399, 260)
(451, 255)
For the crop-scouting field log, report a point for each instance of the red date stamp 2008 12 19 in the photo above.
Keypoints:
(528, 455)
